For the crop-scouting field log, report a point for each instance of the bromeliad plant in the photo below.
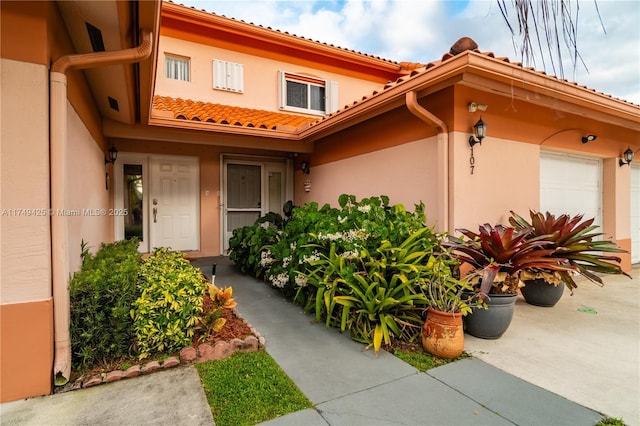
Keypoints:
(498, 254)
(574, 243)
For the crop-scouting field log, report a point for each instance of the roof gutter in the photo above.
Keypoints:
(58, 181)
(442, 157)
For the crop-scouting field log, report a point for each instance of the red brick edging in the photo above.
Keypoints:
(204, 352)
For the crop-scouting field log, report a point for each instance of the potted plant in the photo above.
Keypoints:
(497, 255)
(442, 331)
(575, 244)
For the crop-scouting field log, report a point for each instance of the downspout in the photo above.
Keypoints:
(58, 181)
(442, 155)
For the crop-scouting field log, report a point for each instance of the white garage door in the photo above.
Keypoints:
(635, 214)
(571, 185)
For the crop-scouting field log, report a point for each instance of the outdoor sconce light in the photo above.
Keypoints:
(113, 155)
(304, 166)
(628, 157)
(589, 138)
(480, 130)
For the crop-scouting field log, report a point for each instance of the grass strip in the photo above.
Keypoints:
(422, 360)
(249, 388)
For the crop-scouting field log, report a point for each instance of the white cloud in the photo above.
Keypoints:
(422, 31)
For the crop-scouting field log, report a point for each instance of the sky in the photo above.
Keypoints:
(423, 30)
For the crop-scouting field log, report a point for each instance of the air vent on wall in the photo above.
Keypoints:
(95, 36)
(113, 103)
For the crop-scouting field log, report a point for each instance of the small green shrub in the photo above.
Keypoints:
(101, 295)
(167, 311)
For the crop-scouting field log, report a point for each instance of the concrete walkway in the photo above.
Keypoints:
(347, 385)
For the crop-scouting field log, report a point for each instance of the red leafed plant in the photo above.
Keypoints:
(575, 243)
(498, 254)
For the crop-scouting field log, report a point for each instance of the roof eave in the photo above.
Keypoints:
(213, 21)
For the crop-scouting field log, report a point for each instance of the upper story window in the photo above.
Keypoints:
(177, 67)
(307, 94)
(228, 76)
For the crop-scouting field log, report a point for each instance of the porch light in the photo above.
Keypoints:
(480, 131)
(589, 138)
(628, 157)
(113, 155)
(304, 166)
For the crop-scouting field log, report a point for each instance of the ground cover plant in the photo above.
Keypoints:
(359, 266)
(249, 388)
(415, 355)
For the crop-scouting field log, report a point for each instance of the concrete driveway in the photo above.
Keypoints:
(586, 348)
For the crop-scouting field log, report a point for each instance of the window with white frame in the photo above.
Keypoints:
(177, 67)
(228, 76)
(302, 93)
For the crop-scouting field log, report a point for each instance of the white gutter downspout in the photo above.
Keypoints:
(442, 156)
(58, 181)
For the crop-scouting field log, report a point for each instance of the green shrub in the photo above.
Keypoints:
(101, 295)
(166, 312)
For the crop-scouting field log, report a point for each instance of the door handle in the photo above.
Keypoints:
(155, 213)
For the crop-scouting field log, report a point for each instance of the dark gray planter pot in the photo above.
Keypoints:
(539, 293)
(491, 323)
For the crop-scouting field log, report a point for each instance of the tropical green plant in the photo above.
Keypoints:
(443, 291)
(575, 243)
(375, 290)
(499, 253)
(170, 303)
(101, 295)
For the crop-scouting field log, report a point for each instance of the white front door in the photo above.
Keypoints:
(174, 203)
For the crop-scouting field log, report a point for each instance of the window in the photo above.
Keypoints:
(303, 93)
(176, 67)
(228, 76)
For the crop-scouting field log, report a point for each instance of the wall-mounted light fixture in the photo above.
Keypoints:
(304, 166)
(480, 131)
(113, 155)
(628, 157)
(589, 138)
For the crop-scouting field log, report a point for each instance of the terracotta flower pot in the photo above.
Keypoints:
(443, 334)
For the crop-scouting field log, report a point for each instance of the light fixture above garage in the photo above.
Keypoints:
(589, 138)
(628, 157)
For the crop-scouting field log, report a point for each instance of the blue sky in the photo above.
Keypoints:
(423, 30)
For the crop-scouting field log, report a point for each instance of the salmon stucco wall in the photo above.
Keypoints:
(87, 198)
(506, 177)
(260, 77)
(405, 173)
(25, 272)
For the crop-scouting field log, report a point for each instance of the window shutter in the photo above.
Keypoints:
(282, 88)
(219, 74)
(228, 76)
(331, 90)
(236, 77)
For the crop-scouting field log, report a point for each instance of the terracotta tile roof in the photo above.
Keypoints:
(187, 109)
(417, 71)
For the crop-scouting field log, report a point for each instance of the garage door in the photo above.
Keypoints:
(571, 185)
(635, 214)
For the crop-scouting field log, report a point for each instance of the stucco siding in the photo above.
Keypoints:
(260, 77)
(406, 173)
(24, 201)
